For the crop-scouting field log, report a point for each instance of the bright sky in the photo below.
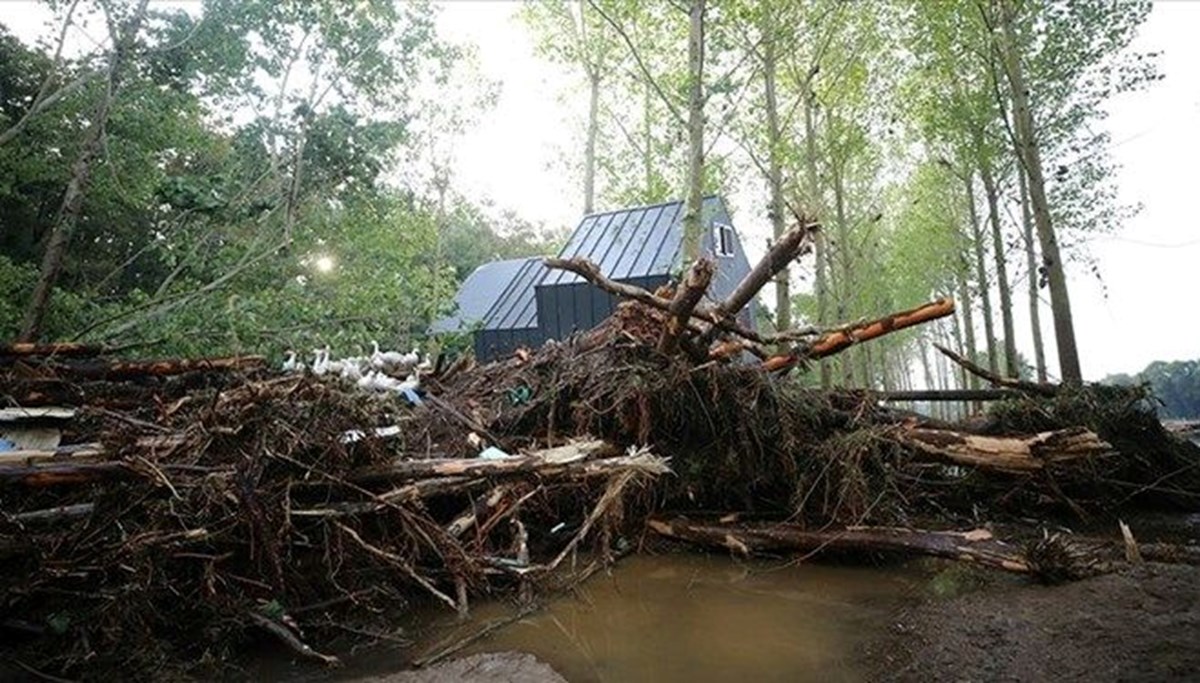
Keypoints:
(1149, 268)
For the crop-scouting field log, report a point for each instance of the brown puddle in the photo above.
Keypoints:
(685, 617)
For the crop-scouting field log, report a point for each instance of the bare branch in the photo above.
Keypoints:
(679, 118)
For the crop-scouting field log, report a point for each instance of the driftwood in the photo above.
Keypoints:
(949, 395)
(56, 474)
(81, 452)
(116, 370)
(690, 291)
(52, 349)
(479, 507)
(1007, 382)
(978, 546)
(842, 338)
(1009, 454)
(549, 460)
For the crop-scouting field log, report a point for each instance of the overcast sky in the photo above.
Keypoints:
(1151, 268)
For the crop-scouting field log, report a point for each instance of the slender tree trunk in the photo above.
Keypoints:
(956, 328)
(77, 187)
(1002, 284)
(820, 250)
(985, 297)
(928, 370)
(589, 152)
(1035, 316)
(695, 195)
(648, 142)
(968, 314)
(867, 362)
(783, 297)
(1030, 157)
(845, 276)
(292, 208)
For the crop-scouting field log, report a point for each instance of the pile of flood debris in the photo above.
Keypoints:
(166, 514)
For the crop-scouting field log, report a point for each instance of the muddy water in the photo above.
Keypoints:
(706, 618)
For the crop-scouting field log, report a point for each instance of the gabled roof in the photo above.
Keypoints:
(478, 293)
(516, 305)
(636, 242)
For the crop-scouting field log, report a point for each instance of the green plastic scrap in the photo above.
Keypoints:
(520, 395)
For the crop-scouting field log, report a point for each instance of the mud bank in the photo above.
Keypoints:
(1142, 624)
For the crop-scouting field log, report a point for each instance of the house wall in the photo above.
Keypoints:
(493, 344)
(574, 307)
(730, 269)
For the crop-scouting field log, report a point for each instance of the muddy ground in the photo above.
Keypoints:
(1139, 625)
(1142, 624)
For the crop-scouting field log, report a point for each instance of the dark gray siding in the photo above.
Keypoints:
(574, 307)
(511, 322)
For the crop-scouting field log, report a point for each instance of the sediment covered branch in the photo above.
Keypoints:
(1011, 454)
(978, 546)
(691, 290)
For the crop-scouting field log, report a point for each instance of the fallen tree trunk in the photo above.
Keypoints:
(1007, 382)
(1010, 454)
(55, 474)
(691, 290)
(51, 349)
(123, 370)
(977, 546)
(949, 395)
(839, 340)
(476, 467)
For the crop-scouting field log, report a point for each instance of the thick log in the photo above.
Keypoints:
(75, 452)
(690, 291)
(949, 395)
(1007, 382)
(51, 349)
(548, 461)
(977, 546)
(843, 338)
(123, 370)
(80, 452)
(56, 474)
(1010, 454)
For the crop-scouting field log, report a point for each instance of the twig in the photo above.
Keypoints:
(284, 634)
(482, 633)
(399, 561)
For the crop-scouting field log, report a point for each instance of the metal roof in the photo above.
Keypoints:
(478, 293)
(630, 243)
(516, 305)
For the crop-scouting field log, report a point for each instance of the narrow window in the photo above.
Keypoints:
(723, 239)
